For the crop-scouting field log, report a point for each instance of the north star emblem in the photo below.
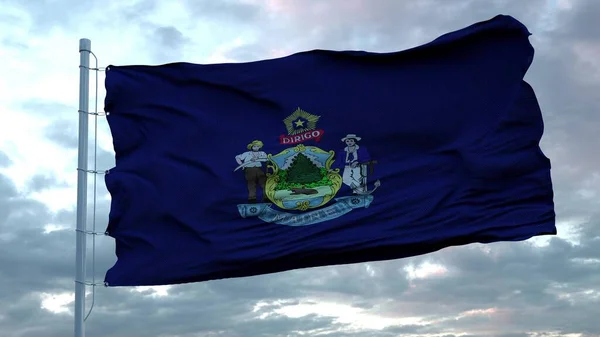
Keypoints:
(302, 178)
(301, 126)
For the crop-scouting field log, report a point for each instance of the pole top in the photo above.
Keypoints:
(85, 45)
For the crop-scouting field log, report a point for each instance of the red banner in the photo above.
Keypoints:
(301, 137)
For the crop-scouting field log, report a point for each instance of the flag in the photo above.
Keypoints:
(325, 157)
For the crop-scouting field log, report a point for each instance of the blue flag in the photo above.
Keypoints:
(325, 157)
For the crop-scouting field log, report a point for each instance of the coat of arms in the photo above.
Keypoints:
(302, 178)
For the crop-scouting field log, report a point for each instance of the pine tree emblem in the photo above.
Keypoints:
(303, 171)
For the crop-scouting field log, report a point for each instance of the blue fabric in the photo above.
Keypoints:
(448, 155)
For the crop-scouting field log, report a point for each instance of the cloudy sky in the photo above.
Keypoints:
(543, 287)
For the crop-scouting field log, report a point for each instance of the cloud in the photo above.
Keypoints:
(581, 21)
(167, 41)
(169, 37)
(64, 133)
(40, 182)
(234, 11)
(45, 15)
(543, 287)
(48, 109)
(4, 160)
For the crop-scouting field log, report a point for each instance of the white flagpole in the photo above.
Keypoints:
(85, 47)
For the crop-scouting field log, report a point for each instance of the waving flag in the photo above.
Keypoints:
(325, 157)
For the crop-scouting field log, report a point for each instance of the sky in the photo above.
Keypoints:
(543, 287)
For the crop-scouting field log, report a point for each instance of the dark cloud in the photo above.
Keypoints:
(375, 26)
(40, 182)
(64, 132)
(527, 287)
(167, 42)
(169, 37)
(30, 261)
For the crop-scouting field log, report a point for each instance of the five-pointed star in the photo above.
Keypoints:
(299, 123)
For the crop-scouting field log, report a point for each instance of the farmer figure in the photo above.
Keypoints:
(251, 162)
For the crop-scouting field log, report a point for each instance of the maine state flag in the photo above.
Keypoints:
(325, 157)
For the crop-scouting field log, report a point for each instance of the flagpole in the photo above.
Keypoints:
(85, 47)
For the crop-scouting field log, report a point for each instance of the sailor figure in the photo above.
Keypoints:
(356, 164)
